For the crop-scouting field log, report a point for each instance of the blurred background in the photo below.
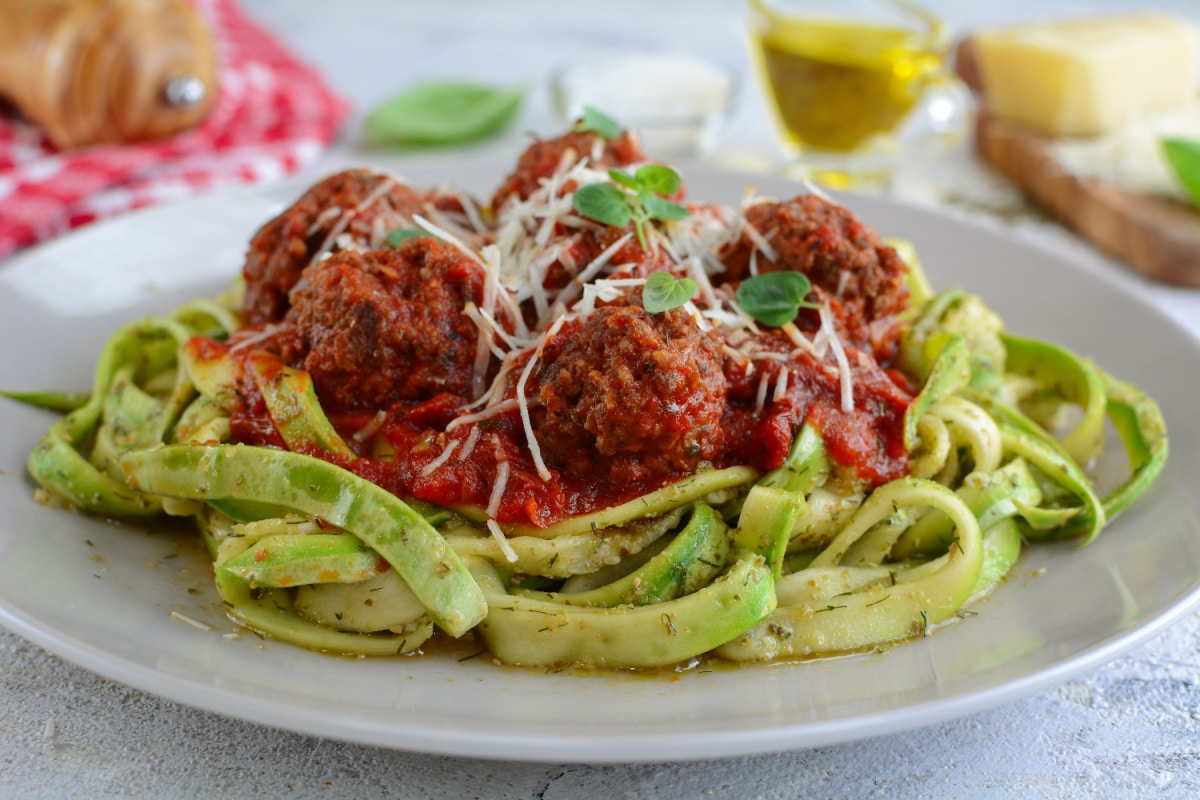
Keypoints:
(298, 81)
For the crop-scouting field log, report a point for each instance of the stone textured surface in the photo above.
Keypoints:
(1130, 729)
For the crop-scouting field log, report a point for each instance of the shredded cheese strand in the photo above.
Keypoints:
(448, 238)
(526, 421)
(487, 413)
(343, 222)
(371, 428)
(503, 468)
(497, 532)
(839, 354)
(442, 458)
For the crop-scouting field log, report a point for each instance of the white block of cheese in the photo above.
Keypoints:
(1087, 76)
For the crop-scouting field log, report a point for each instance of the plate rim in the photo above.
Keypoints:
(604, 748)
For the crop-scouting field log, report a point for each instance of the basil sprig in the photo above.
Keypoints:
(604, 202)
(1184, 157)
(443, 113)
(663, 291)
(775, 298)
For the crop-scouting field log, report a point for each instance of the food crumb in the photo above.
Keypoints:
(195, 623)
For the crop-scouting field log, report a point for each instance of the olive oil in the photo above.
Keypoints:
(835, 84)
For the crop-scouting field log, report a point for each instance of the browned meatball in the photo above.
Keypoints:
(283, 247)
(642, 392)
(378, 327)
(844, 258)
(545, 157)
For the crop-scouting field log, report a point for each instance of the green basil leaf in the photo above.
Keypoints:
(624, 178)
(663, 291)
(398, 235)
(599, 123)
(659, 179)
(1184, 157)
(443, 113)
(661, 208)
(775, 298)
(603, 202)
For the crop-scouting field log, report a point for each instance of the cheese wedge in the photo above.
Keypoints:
(1087, 76)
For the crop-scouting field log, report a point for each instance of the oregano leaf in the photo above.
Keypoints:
(663, 291)
(775, 298)
(603, 202)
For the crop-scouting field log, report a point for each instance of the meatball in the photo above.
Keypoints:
(845, 260)
(384, 326)
(545, 157)
(631, 395)
(283, 247)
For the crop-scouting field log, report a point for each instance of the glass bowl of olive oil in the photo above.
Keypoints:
(858, 88)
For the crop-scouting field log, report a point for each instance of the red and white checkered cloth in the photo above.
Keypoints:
(274, 114)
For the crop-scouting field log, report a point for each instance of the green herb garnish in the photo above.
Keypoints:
(775, 298)
(398, 235)
(1184, 157)
(443, 113)
(599, 123)
(604, 202)
(663, 291)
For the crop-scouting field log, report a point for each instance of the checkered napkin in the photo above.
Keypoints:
(274, 114)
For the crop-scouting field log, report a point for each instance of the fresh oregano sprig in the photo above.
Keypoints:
(663, 291)
(639, 202)
(596, 121)
(775, 298)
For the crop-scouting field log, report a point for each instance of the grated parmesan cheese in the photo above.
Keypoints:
(497, 532)
(344, 220)
(371, 428)
(760, 400)
(487, 413)
(469, 444)
(839, 354)
(781, 385)
(448, 238)
(443, 457)
(503, 468)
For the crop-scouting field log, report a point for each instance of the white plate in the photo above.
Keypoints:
(102, 595)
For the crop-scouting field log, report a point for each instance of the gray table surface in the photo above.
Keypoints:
(1130, 729)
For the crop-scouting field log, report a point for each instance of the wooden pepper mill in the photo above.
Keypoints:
(106, 71)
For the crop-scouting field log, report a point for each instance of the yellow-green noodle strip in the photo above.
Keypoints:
(876, 613)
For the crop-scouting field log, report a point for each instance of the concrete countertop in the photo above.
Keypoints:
(1130, 729)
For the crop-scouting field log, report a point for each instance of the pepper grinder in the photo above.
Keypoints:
(106, 71)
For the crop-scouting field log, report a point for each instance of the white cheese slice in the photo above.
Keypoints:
(1087, 76)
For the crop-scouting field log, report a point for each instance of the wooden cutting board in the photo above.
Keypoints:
(1159, 237)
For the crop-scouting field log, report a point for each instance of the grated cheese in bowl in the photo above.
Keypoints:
(677, 102)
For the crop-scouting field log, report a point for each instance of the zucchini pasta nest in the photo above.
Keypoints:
(591, 422)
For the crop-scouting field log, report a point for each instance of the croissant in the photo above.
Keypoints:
(106, 71)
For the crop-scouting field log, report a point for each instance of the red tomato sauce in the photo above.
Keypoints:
(488, 367)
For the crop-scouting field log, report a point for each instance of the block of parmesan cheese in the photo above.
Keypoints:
(1087, 76)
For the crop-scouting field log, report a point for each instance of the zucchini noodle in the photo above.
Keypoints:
(731, 560)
